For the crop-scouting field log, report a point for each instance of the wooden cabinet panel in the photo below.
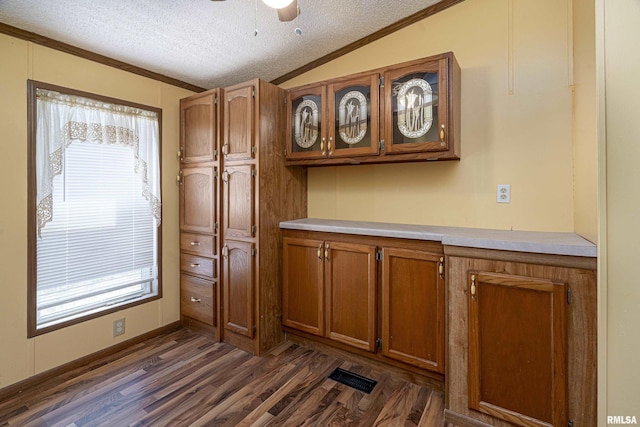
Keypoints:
(239, 123)
(413, 308)
(200, 266)
(238, 279)
(351, 293)
(197, 298)
(198, 199)
(303, 285)
(517, 348)
(199, 128)
(199, 244)
(238, 201)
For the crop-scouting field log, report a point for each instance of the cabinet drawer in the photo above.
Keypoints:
(197, 265)
(197, 298)
(198, 244)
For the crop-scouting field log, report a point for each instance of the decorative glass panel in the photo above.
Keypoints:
(306, 123)
(415, 108)
(353, 109)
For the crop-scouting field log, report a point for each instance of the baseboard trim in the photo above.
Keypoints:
(12, 389)
(462, 420)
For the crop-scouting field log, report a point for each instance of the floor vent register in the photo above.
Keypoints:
(351, 379)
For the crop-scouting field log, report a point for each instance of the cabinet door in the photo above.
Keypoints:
(413, 308)
(416, 108)
(517, 349)
(239, 119)
(238, 279)
(238, 201)
(197, 199)
(350, 281)
(353, 113)
(303, 285)
(199, 128)
(306, 136)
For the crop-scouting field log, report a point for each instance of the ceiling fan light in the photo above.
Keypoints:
(277, 4)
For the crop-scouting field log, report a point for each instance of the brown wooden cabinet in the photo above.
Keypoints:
(199, 211)
(258, 192)
(403, 112)
(383, 297)
(413, 307)
(199, 128)
(521, 339)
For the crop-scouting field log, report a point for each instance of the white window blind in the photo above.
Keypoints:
(97, 247)
(100, 247)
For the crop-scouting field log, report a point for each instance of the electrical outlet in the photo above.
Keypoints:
(503, 194)
(118, 327)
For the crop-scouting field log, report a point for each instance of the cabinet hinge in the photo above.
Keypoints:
(215, 152)
(381, 82)
(253, 150)
(253, 172)
(285, 152)
(254, 228)
(254, 329)
(285, 100)
(570, 423)
(215, 100)
(254, 252)
(569, 296)
(381, 144)
(253, 93)
(379, 255)
(379, 343)
(215, 227)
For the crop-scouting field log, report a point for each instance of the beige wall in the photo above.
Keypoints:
(21, 357)
(523, 139)
(620, 211)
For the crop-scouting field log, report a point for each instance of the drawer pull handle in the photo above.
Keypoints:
(329, 145)
(320, 252)
(441, 267)
(195, 243)
(326, 251)
(324, 153)
(195, 265)
(194, 299)
(442, 134)
(473, 287)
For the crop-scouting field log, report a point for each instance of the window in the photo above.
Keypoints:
(94, 192)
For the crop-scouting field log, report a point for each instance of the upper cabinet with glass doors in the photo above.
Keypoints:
(404, 112)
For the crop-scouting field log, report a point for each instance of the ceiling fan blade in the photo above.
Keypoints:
(289, 13)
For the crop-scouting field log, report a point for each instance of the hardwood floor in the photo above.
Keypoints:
(181, 378)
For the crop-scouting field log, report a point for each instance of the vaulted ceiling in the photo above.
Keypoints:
(213, 43)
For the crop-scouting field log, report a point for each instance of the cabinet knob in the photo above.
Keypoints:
(442, 135)
(194, 299)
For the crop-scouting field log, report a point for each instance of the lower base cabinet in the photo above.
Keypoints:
(380, 296)
(521, 339)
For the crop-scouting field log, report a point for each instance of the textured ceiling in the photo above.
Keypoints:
(206, 43)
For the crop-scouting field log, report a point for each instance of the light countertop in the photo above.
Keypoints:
(518, 241)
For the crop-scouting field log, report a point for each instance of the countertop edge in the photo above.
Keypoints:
(552, 243)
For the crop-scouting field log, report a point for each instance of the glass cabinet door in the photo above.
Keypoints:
(306, 136)
(416, 108)
(353, 109)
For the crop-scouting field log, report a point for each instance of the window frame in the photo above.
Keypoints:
(32, 261)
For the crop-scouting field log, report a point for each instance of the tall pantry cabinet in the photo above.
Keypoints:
(199, 211)
(257, 192)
